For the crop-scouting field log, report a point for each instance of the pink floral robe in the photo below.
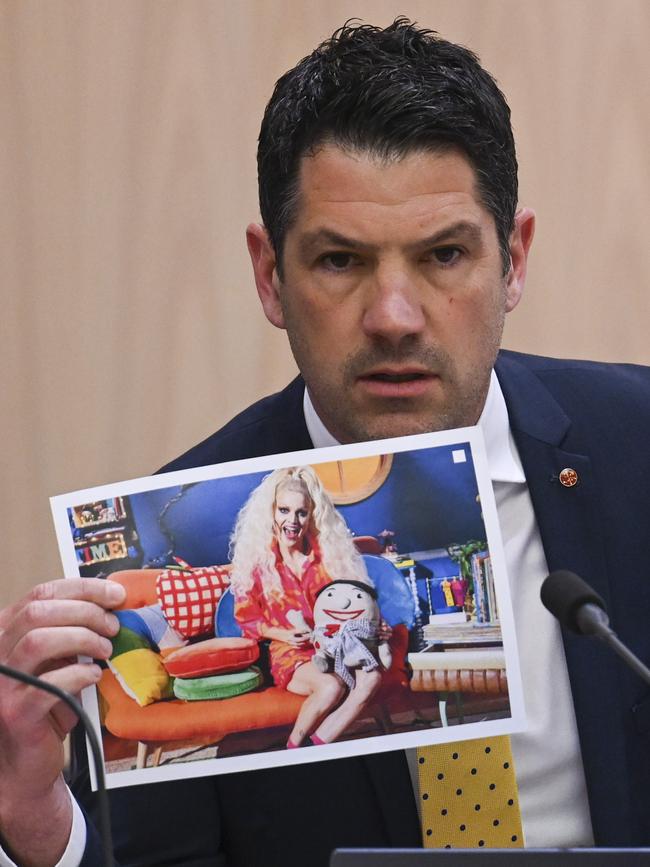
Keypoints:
(257, 608)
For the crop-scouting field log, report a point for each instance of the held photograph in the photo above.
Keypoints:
(299, 607)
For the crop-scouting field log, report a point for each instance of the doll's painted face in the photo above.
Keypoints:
(291, 515)
(341, 602)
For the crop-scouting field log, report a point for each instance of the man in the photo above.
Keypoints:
(391, 251)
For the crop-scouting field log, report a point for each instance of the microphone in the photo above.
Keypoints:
(579, 608)
(102, 799)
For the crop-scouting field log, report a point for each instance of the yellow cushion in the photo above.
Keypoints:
(142, 676)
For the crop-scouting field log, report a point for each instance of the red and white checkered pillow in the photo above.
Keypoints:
(189, 598)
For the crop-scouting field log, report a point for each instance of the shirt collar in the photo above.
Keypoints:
(502, 455)
(318, 433)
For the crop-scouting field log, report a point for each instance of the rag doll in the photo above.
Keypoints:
(346, 630)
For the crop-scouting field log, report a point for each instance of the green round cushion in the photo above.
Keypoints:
(218, 685)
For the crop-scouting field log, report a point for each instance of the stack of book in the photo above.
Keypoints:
(485, 599)
(454, 632)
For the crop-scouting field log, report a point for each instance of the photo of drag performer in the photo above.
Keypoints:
(288, 543)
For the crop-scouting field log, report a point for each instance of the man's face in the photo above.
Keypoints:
(393, 294)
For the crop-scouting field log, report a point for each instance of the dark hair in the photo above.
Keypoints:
(368, 588)
(389, 92)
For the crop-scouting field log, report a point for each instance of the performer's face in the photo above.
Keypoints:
(291, 515)
(393, 293)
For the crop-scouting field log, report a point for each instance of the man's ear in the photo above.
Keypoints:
(520, 241)
(266, 276)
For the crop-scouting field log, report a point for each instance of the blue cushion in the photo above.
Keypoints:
(131, 619)
(393, 593)
(225, 624)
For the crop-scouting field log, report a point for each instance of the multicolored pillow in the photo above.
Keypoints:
(138, 669)
(218, 686)
(189, 598)
(152, 625)
(214, 656)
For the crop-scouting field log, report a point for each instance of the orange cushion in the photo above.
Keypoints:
(214, 656)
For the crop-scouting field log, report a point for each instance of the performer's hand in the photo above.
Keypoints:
(290, 636)
(42, 634)
(385, 631)
(297, 638)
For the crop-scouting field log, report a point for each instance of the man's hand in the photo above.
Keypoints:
(42, 635)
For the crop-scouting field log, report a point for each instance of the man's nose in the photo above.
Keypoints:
(394, 307)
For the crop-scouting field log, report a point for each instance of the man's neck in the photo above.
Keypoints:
(503, 459)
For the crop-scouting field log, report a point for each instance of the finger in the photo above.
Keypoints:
(34, 651)
(103, 592)
(32, 705)
(38, 614)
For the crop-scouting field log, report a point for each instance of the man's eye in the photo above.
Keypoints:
(446, 255)
(337, 261)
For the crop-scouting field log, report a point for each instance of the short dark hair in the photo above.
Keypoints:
(388, 91)
(361, 585)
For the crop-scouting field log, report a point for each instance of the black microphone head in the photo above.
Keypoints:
(564, 593)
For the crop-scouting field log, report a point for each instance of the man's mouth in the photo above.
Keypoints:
(388, 382)
(343, 615)
(398, 377)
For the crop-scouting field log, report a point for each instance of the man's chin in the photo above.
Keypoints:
(396, 425)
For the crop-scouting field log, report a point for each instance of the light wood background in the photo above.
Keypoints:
(130, 325)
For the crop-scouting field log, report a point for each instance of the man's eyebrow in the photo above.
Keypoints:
(459, 231)
(322, 237)
(463, 230)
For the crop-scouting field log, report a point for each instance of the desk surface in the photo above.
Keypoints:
(490, 858)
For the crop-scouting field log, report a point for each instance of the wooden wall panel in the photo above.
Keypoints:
(130, 326)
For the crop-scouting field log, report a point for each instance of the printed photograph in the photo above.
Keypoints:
(281, 611)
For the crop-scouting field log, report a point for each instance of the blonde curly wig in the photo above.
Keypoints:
(251, 548)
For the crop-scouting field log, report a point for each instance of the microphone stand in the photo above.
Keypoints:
(592, 620)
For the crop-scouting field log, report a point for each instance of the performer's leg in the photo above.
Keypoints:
(323, 691)
(367, 683)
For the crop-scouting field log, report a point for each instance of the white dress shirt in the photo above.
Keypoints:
(550, 775)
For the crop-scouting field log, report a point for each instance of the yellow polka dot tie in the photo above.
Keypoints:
(468, 795)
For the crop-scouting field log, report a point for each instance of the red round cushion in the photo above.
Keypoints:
(214, 656)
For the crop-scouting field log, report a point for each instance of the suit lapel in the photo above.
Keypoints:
(572, 535)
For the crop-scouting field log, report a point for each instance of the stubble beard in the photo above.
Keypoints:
(459, 405)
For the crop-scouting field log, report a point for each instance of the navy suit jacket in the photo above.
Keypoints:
(592, 417)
